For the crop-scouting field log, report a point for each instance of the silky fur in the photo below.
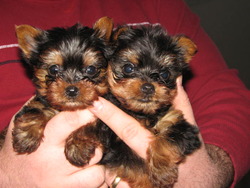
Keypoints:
(142, 75)
(69, 66)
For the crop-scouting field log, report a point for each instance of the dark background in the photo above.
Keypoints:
(228, 23)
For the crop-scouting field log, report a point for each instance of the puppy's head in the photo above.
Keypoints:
(145, 65)
(69, 63)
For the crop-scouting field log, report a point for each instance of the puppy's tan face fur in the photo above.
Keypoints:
(71, 88)
(69, 63)
(146, 63)
(130, 93)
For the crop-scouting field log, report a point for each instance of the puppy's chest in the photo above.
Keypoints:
(147, 121)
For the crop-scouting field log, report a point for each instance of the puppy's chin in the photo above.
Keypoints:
(143, 106)
(78, 103)
(71, 106)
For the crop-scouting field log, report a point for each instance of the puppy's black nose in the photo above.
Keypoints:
(71, 91)
(147, 88)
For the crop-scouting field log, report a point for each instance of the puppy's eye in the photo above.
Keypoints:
(164, 74)
(91, 70)
(128, 68)
(53, 69)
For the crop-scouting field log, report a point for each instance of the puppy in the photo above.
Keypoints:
(142, 75)
(69, 66)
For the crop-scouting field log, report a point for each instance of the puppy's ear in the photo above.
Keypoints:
(104, 27)
(119, 31)
(26, 35)
(188, 47)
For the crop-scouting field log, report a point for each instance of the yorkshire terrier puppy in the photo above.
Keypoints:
(69, 66)
(142, 77)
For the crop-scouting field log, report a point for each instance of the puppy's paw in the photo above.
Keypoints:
(80, 148)
(185, 136)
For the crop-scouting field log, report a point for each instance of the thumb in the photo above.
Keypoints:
(90, 177)
(181, 102)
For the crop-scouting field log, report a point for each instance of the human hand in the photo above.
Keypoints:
(199, 169)
(47, 166)
(132, 133)
(129, 130)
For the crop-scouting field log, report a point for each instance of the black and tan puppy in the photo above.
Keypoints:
(69, 67)
(142, 76)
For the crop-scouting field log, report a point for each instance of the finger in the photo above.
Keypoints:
(97, 157)
(122, 184)
(91, 177)
(125, 126)
(8, 137)
(64, 123)
(110, 179)
(104, 185)
(181, 102)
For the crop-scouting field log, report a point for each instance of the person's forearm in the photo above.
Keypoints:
(207, 168)
(2, 136)
(4, 179)
(224, 165)
(197, 171)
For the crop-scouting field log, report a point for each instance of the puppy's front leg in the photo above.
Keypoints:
(174, 139)
(29, 126)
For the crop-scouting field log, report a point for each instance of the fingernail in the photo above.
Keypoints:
(97, 106)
